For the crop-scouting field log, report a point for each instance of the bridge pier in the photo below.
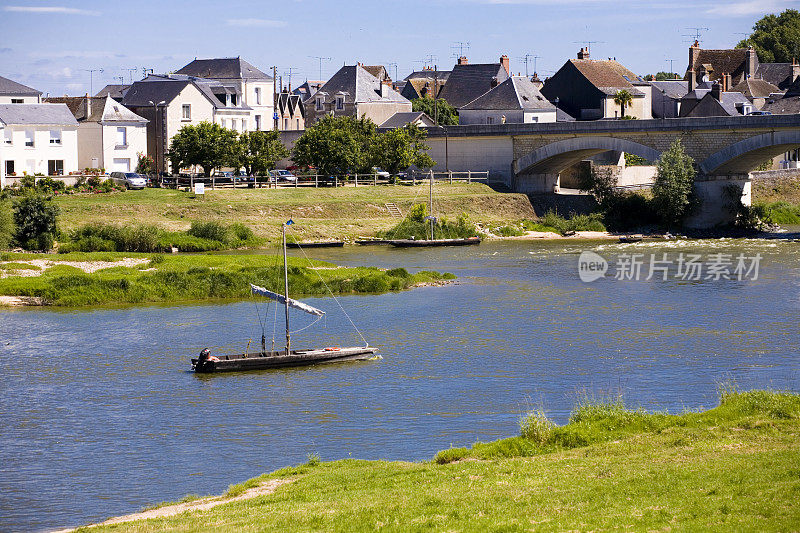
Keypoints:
(719, 198)
(536, 183)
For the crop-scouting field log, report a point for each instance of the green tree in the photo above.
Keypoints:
(623, 99)
(207, 145)
(258, 151)
(7, 228)
(35, 220)
(448, 116)
(144, 164)
(662, 76)
(776, 38)
(337, 145)
(398, 149)
(672, 190)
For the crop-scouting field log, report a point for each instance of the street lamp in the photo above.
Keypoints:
(155, 130)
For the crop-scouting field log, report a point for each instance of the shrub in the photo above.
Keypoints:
(213, 230)
(450, 455)
(27, 182)
(99, 237)
(241, 232)
(48, 185)
(94, 181)
(508, 231)
(537, 427)
(34, 216)
(7, 228)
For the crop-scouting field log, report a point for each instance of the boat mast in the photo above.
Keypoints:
(286, 287)
(430, 205)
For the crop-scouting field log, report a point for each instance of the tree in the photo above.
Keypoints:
(776, 38)
(662, 76)
(258, 151)
(207, 145)
(448, 116)
(337, 145)
(672, 190)
(398, 149)
(623, 98)
(145, 164)
(35, 221)
(7, 228)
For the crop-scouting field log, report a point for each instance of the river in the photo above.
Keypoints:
(101, 415)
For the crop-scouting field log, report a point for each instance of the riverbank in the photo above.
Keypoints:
(727, 468)
(111, 278)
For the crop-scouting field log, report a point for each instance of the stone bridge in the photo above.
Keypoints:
(530, 157)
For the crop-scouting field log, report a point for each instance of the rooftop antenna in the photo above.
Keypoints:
(320, 59)
(589, 44)
(146, 70)
(288, 74)
(671, 70)
(390, 65)
(91, 72)
(527, 59)
(697, 33)
(461, 47)
(429, 60)
(130, 72)
(121, 79)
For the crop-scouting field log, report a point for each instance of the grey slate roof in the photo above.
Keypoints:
(788, 105)
(398, 120)
(141, 93)
(726, 105)
(563, 116)
(37, 114)
(429, 74)
(467, 82)
(360, 86)
(227, 68)
(673, 89)
(10, 87)
(517, 92)
(101, 109)
(114, 91)
(778, 74)
(755, 88)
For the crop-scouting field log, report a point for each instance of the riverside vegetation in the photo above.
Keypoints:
(732, 467)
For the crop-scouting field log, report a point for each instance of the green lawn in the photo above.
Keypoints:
(732, 468)
(342, 212)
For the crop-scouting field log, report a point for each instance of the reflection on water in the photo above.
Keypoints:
(101, 415)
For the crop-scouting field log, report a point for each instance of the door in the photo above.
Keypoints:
(122, 164)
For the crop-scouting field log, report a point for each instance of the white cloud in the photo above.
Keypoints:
(257, 23)
(48, 10)
(76, 54)
(741, 9)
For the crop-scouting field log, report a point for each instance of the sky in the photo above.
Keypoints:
(59, 46)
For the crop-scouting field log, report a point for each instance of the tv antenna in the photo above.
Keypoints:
(289, 73)
(527, 59)
(121, 79)
(589, 44)
(697, 33)
(91, 72)
(671, 70)
(390, 65)
(146, 70)
(461, 46)
(320, 59)
(130, 73)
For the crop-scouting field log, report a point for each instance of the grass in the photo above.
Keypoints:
(341, 213)
(734, 467)
(176, 278)
(555, 223)
(781, 212)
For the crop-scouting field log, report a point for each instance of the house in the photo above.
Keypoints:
(308, 88)
(12, 92)
(37, 139)
(398, 120)
(719, 102)
(257, 89)
(354, 92)
(110, 136)
(782, 75)
(468, 81)
(786, 104)
(516, 100)
(291, 114)
(172, 101)
(666, 97)
(379, 71)
(421, 83)
(740, 64)
(117, 92)
(585, 88)
(756, 90)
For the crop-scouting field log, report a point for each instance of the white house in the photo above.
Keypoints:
(37, 138)
(110, 136)
(12, 92)
(515, 101)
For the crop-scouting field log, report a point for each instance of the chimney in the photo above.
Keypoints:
(536, 81)
(384, 90)
(504, 62)
(584, 53)
(750, 65)
(795, 70)
(716, 91)
(88, 106)
(728, 82)
(694, 52)
(462, 60)
(692, 79)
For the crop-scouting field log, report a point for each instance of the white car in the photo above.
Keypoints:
(283, 175)
(131, 180)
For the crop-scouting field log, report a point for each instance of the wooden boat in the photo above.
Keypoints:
(631, 238)
(372, 242)
(318, 244)
(411, 243)
(207, 363)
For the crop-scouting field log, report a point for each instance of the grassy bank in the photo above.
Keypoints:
(115, 277)
(734, 467)
(325, 213)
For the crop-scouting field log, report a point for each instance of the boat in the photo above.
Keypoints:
(631, 238)
(318, 244)
(410, 243)
(372, 242)
(264, 359)
(420, 243)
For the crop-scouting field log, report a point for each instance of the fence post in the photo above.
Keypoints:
(316, 180)
(191, 182)
(212, 181)
(296, 179)
(450, 173)
(414, 178)
(375, 179)
(469, 176)
(335, 181)
(356, 182)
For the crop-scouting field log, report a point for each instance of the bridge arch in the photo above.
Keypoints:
(555, 157)
(744, 156)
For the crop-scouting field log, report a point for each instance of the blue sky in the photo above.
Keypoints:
(52, 45)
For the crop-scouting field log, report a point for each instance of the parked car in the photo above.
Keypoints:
(283, 175)
(380, 172)
(760, 113)
(131, 180)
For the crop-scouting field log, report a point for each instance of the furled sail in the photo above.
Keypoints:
(282, 299)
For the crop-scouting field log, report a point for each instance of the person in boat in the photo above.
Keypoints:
(205, 355)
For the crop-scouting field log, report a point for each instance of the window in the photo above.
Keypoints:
(298, 124)
(186, 110)
(122, 137)
(339, 103)
(258, 95)
(10, 168)
(244, 124)
(222, 122)
(17, 101)
(55, 136)
(29, 138)
(286, 124)
(490, 120)
(258, 121)
(55, 167)
(8, 136)
(319, 104)
(234, 100)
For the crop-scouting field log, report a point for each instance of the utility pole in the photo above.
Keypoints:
(435, 87)
(289, 73)
(91, 72)
(275, 96)
(320, 59)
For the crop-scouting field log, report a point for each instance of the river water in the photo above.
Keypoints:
(101, 415)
